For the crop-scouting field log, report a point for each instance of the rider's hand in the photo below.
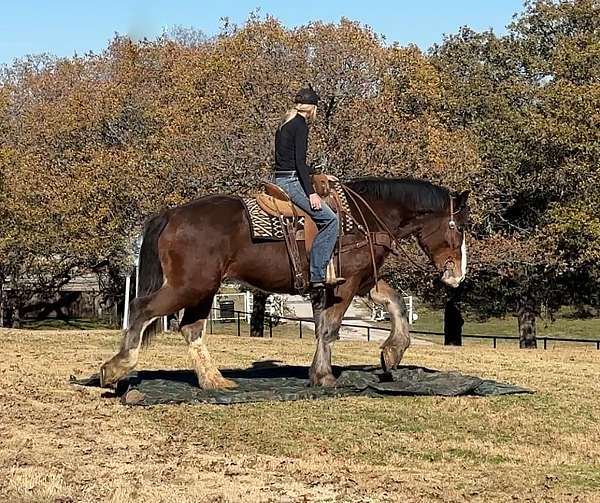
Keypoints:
(315, 201)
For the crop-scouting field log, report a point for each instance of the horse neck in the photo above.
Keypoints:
(398, 218)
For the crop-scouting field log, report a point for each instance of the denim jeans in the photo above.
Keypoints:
(327, 223)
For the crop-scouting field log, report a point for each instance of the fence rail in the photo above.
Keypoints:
(368, 329)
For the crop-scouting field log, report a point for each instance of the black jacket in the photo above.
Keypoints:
(291, 142)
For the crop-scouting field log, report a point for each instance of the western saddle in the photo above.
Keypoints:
(276, 202)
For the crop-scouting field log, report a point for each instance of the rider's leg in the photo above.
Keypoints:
(324, 243)
(326, 221)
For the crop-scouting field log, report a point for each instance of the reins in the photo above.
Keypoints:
(351, 193)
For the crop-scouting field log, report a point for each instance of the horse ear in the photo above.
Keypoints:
(461, 199)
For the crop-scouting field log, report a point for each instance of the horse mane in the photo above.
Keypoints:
(417, 195)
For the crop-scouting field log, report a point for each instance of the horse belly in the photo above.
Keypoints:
(263, 265)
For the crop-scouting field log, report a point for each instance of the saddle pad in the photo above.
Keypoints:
(268, 227)
(347, 222)
(262, 225)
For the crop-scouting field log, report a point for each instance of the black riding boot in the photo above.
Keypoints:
(318, 294)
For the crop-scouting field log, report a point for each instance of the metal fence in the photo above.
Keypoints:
(271, 321)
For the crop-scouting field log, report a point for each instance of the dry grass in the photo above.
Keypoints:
(63, 443)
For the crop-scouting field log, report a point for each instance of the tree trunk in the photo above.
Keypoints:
(1, 301)
(526, 316)
(16, 321)
(453, 323)
(257, 321)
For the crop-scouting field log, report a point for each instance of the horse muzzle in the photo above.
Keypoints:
(451, 279)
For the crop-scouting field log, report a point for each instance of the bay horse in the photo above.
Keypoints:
(187, 251)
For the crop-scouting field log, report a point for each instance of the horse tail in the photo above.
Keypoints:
(151, 272)
(150, 268)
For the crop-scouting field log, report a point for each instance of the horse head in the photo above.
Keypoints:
(442, 237)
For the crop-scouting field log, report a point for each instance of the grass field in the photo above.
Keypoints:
(60, 443)
(562, 326)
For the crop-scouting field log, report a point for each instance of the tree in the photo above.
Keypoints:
(95, 144)
(90, 146)
(453, 322)
(529, 98)
(257, 320)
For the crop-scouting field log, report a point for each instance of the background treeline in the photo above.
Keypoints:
(91, 145)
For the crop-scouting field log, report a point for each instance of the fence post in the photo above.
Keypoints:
(238, 323)
(494, 343)
(300, 329)
(598, 345)
(545, 341)
(126, 307)
(368, 333)
(270, 327)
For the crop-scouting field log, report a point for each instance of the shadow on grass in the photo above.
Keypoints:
(67, 324)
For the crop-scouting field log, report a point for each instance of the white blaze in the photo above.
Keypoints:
(463, 258)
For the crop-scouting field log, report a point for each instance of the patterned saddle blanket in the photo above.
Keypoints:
(265, 227)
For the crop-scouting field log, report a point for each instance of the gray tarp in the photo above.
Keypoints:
(268, 381)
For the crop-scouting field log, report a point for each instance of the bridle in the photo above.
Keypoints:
(452, 226)
(452, 222)
(395, 244)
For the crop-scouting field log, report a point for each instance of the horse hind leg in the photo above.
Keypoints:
(193, 329)
(393, 348)
(144, 311)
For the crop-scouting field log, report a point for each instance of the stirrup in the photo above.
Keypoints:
(329, 283)
(317, 285)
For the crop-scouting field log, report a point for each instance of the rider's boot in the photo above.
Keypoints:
(318, 294)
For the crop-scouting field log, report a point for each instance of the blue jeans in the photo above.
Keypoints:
(327, 223)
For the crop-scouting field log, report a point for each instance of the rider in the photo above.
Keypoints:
(292, 175)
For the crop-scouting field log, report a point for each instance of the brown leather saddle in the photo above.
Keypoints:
(276, 202)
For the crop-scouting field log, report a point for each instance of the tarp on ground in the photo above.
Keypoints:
(268, 381)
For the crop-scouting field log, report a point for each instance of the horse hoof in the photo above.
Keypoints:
(106, 381)
(327, 381)
(218, 382)
(110, 374)
(228, 383)
(390, 359)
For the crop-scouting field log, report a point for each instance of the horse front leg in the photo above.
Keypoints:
(393, 348)
(328, 311)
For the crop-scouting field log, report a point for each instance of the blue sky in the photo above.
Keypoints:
(63, 27)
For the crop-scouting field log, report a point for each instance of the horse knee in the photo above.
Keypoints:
(193, 333)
